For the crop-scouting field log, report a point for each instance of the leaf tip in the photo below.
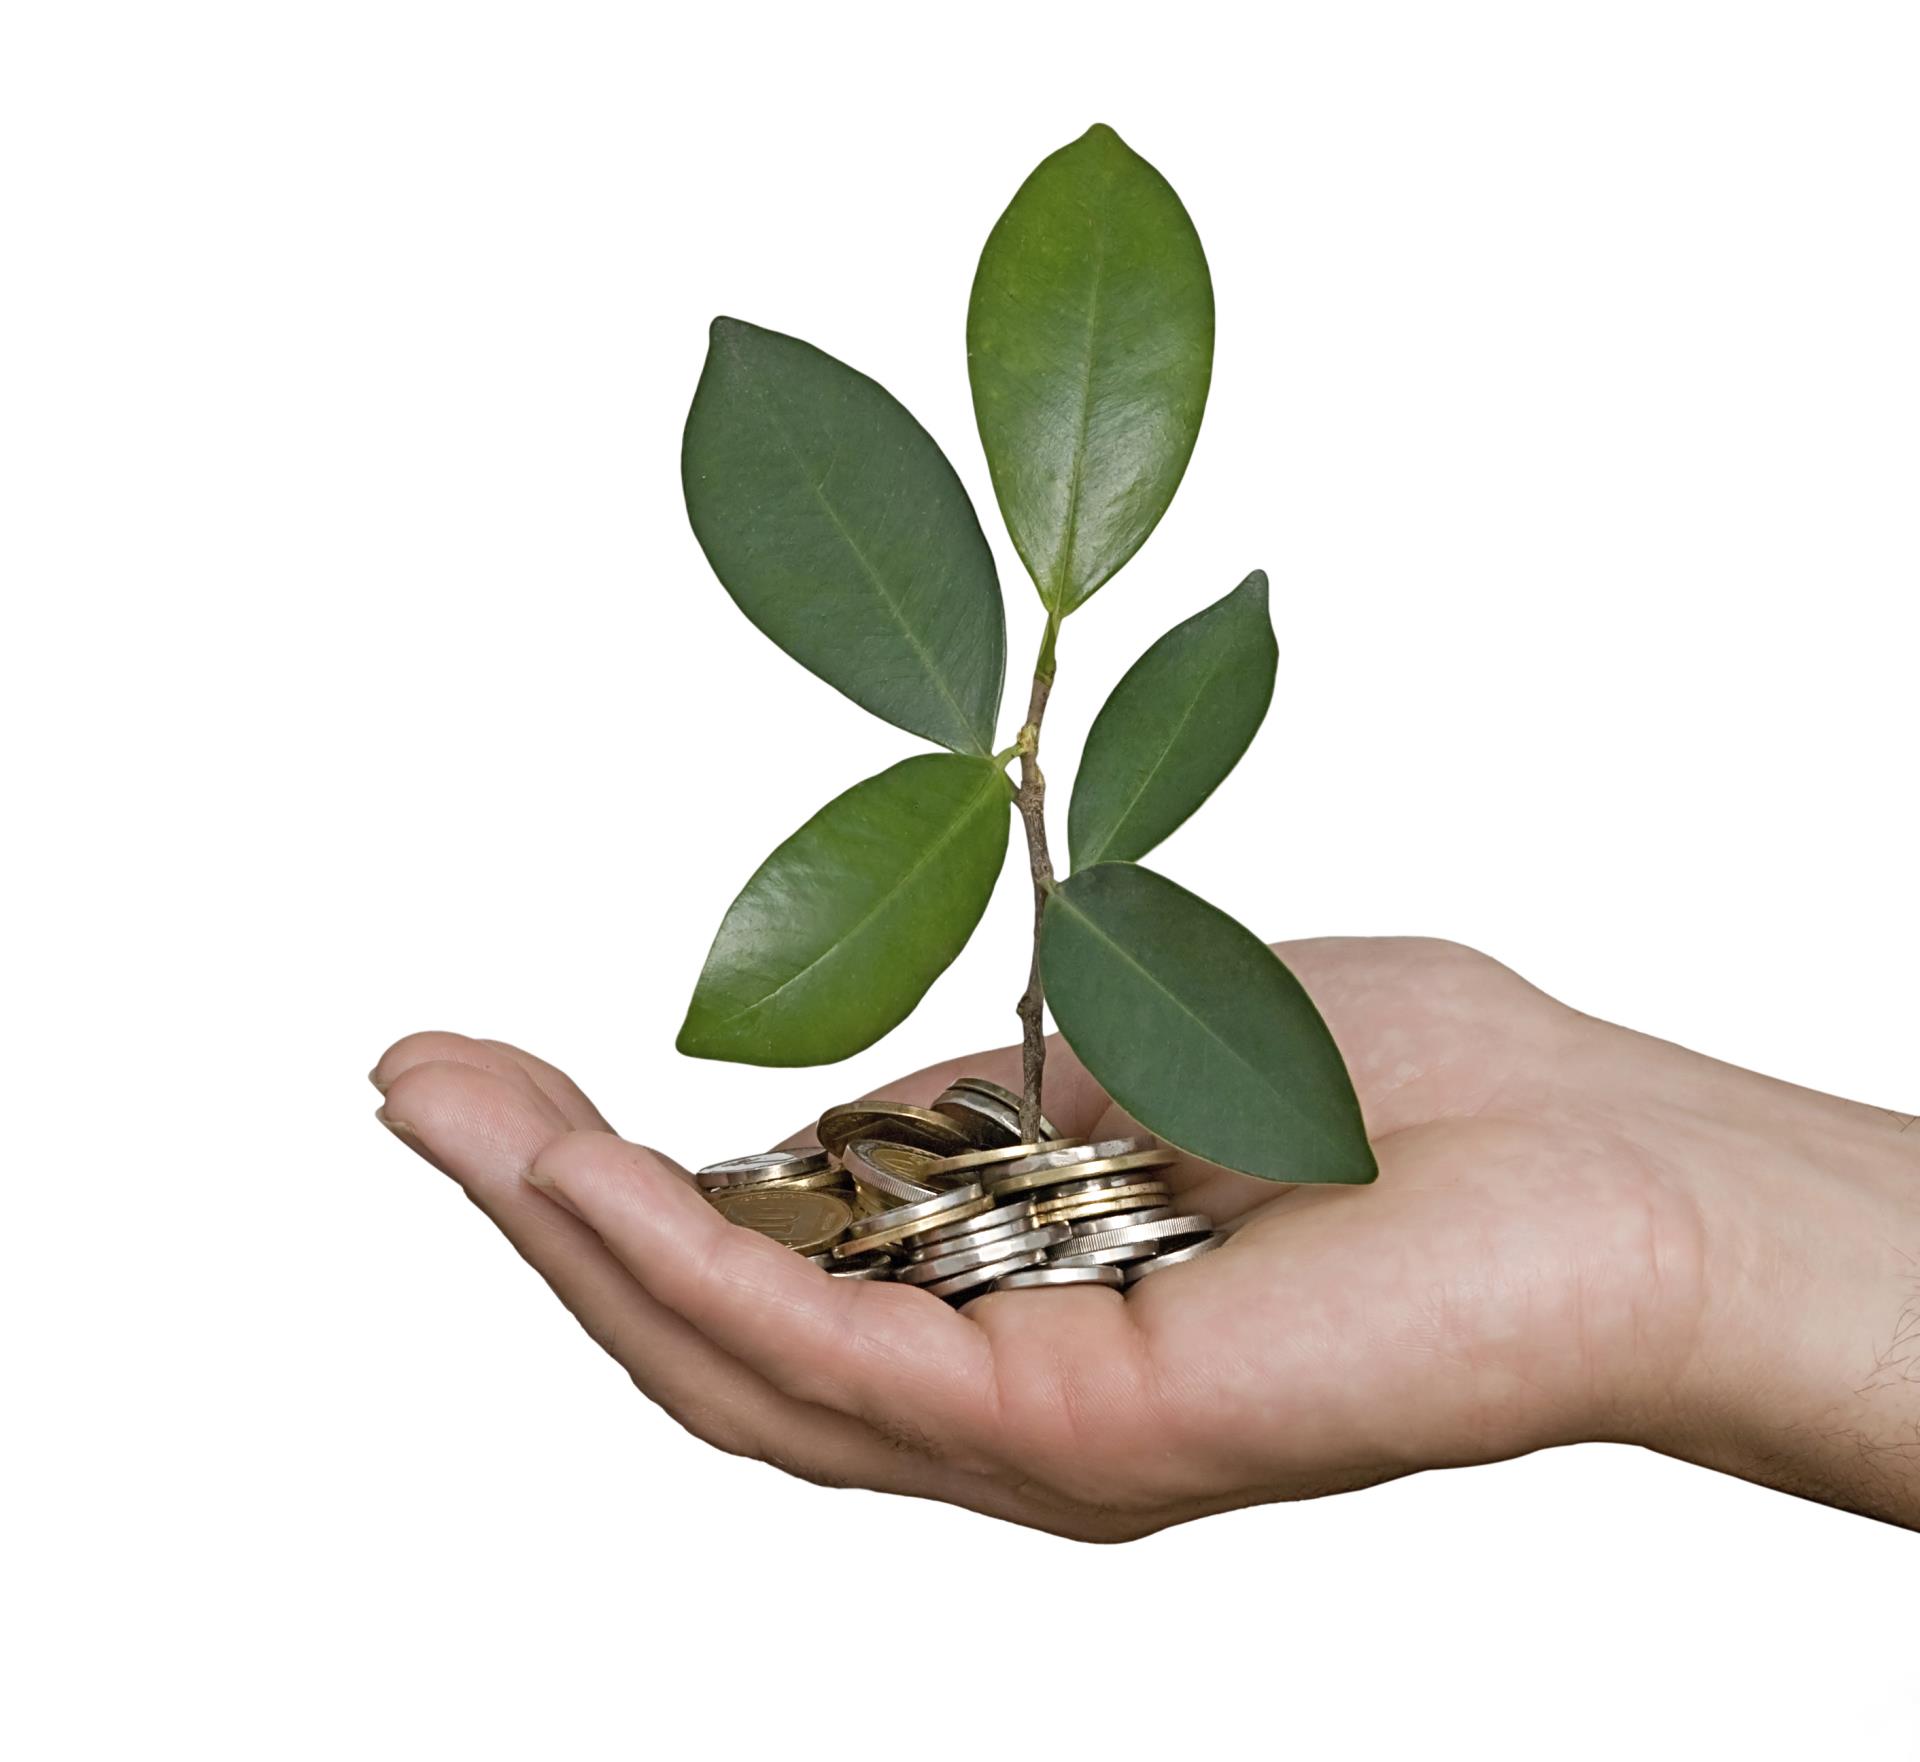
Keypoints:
(1370, 1174)
(1255, 587)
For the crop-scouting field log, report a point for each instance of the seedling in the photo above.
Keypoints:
(840, 529)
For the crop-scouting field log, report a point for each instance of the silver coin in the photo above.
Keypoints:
(999, 1093)
(885, 1229)
(1142, 1165)
(1162, 1230)
(738, 1171)
(1061, 1191)
(965, 1259)
(1174, 1257)
(879, 1270)
(1062, 1156)
(979, 1107)
(1037, 1277)
(876, 1164)
(982, 1276)
(1135, 1198)
(990, 1089)
(1101, 1256)
(1021, 1212)
(977, 1164)
(1000, 1096)
(987, 1123)
(1150, 1181)
(922, 1253)
(928, 1212)
(1093, 1226)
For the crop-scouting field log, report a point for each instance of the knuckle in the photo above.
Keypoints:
(563, 1152)
(905, 1437)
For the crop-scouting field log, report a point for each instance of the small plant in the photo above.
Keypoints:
(840, 529)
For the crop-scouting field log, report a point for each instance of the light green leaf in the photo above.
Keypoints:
(841, 930)
(1173, 728)
(841, 530)
(1090, 346)
(1195, 1027)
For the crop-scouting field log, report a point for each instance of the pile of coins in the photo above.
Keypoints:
(947, 1198)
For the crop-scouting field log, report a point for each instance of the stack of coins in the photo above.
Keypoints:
(946, 1198)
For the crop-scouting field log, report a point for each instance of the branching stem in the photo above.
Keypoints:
(1031, 800)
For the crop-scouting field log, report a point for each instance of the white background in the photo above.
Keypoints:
(362, 675)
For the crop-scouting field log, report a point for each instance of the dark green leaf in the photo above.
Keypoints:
(1090, 344)
(1173, 728)
(1193, 1025)
(841, 930)
(841, 530)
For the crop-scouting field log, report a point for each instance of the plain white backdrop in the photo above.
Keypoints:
(362, 676)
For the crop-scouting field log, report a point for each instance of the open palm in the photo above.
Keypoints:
(1526, 1264)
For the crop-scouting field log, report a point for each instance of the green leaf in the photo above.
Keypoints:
(1090, 344)
(1173, 728)
(841, 530)
(841, 930)
(1193, 1025)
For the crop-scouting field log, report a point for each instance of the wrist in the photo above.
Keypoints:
(1803, 1370)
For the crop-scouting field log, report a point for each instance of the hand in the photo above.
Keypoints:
(1577, 1233)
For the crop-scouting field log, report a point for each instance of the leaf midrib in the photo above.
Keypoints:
(1286, 1101)
(928, 854)
(920, 652)
(1063, 559)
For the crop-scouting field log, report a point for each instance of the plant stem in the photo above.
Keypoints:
(1031, 800)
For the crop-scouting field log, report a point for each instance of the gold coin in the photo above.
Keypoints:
(827, 1181)
(807, 1222)
(1080, 1171)
(893, 1121)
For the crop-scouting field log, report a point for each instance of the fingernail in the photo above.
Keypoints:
(535, 1177)
(373, 1077)
(406, 1133)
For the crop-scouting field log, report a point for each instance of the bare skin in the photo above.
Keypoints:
(1578, 1233)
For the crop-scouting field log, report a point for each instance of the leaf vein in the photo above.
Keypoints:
(1064, 558)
